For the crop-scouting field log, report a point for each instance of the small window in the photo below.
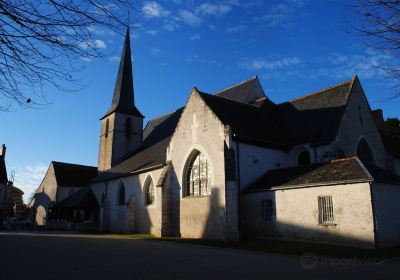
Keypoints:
(198, 178)
(121, 194)
(303, 158)
(268, 211)
(70, 192)
(128, 127)
(107, 128)
(149, 190)
(325, 210)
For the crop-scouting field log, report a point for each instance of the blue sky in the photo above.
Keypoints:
(294, 46)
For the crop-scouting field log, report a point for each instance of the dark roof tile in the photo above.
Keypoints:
(73, 175)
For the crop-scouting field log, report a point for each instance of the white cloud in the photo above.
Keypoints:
(195, 37)
(263, 64)
(189, 18)
(154, 10)
(99, 44)
(213, 9)
(279, 14)
(155, 52)
(367, 65)
(235, 29)
(28, 178)
(152, 32)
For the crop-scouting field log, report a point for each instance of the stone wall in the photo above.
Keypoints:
(145, 219)
(352, 130)
(296, 215)
(44, 196)
(198, 130)
(387, 212)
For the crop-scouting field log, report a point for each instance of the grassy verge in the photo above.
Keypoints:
(273, 246)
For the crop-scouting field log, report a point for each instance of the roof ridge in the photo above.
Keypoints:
(231, 100)
(163, 115)
(343, 159)
(320, 91)
(237, 84)
(76, 164)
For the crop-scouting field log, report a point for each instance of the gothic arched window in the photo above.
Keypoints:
(198, 177)
(303, 158)
(364, 152)
(107, 128)
(128, 127)
(121, 194)
(149, 192)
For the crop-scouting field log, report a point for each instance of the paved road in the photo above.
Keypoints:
(56, 257)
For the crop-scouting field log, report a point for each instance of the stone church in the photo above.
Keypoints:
(234, 164)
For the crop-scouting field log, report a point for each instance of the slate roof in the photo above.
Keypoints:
(123, 99)
(242, 92)
(246, 121)
(342, 171)
(73, 175)
(3, 171)
(81, 199)
(314, 117)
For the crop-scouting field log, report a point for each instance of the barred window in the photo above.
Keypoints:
(149, 190)
(325, 210)
(198, 178)
(268, 211)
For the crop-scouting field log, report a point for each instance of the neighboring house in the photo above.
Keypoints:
(343, 201)
(61, 181)
(11, 201)
(203, 170)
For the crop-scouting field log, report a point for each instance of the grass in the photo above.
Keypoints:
(274, 246)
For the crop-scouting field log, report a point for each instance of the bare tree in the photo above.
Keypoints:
(379, 24)
(43, 41)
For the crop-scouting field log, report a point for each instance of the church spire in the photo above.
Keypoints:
(123, 100)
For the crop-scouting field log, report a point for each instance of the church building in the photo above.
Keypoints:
(234, 164)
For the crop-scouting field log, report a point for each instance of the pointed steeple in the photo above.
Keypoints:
(123, 100)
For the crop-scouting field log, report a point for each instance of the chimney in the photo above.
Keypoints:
(3, 151)
(378, 117)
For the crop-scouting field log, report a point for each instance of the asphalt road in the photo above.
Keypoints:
(56, 257)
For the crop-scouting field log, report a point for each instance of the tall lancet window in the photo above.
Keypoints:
(128, 127)
(121, 194)
(198, 176)
(107, 128)
(149, 191)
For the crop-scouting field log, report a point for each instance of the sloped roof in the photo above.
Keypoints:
(123, 100)
(246, 92)
(73, 175)
(3, 171)
(81, 199)
(247, 121)
(342, 171)
(315, 117)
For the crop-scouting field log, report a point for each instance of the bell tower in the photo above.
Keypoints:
(122, 125)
